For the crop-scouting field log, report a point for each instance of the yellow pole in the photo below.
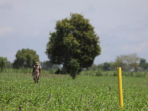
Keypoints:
(120, 87)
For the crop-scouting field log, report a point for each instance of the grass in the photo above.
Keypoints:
(114, 73)
(62, 93)
(26, 71)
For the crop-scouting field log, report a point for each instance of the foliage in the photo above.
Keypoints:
(56, 66)
(26, 71)
(3, 62)
(73, 67)
(99, 72)
(93, 67)
(25, 58)
(127, 62)
(8, 64)
(59, 92)
(100, 66)
(73, 38)
(106, 66)
(143, 64)
(46, 65)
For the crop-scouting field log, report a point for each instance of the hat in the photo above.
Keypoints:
(37, 63)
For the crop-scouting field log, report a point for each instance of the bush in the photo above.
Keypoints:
(73, 67)
(114, 73)
(99, 72)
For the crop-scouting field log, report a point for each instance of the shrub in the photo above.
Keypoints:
(73, 67)
(114, 73)
(99, 72)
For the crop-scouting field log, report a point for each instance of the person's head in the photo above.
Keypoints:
(37, 63)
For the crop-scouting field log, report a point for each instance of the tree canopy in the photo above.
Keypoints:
(25, 58)
(73, 37)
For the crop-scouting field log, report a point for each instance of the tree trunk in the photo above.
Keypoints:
(64, 70)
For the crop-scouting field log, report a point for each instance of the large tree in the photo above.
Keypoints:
(25, 58)
(73, 37)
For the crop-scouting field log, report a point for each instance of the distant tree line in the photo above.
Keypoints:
(129, 62)
(26, 58)
(46, 65)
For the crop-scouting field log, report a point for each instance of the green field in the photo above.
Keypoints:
(61, 93)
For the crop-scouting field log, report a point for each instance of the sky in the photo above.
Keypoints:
(122, 25)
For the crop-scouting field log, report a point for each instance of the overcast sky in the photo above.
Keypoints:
(122, 25)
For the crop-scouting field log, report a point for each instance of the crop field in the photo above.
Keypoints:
(61, 93)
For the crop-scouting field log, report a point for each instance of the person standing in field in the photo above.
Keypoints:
(36, 72)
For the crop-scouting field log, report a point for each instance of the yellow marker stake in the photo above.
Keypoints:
(120, 87)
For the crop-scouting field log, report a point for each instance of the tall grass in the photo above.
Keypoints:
(99, 72)
(27, 71)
